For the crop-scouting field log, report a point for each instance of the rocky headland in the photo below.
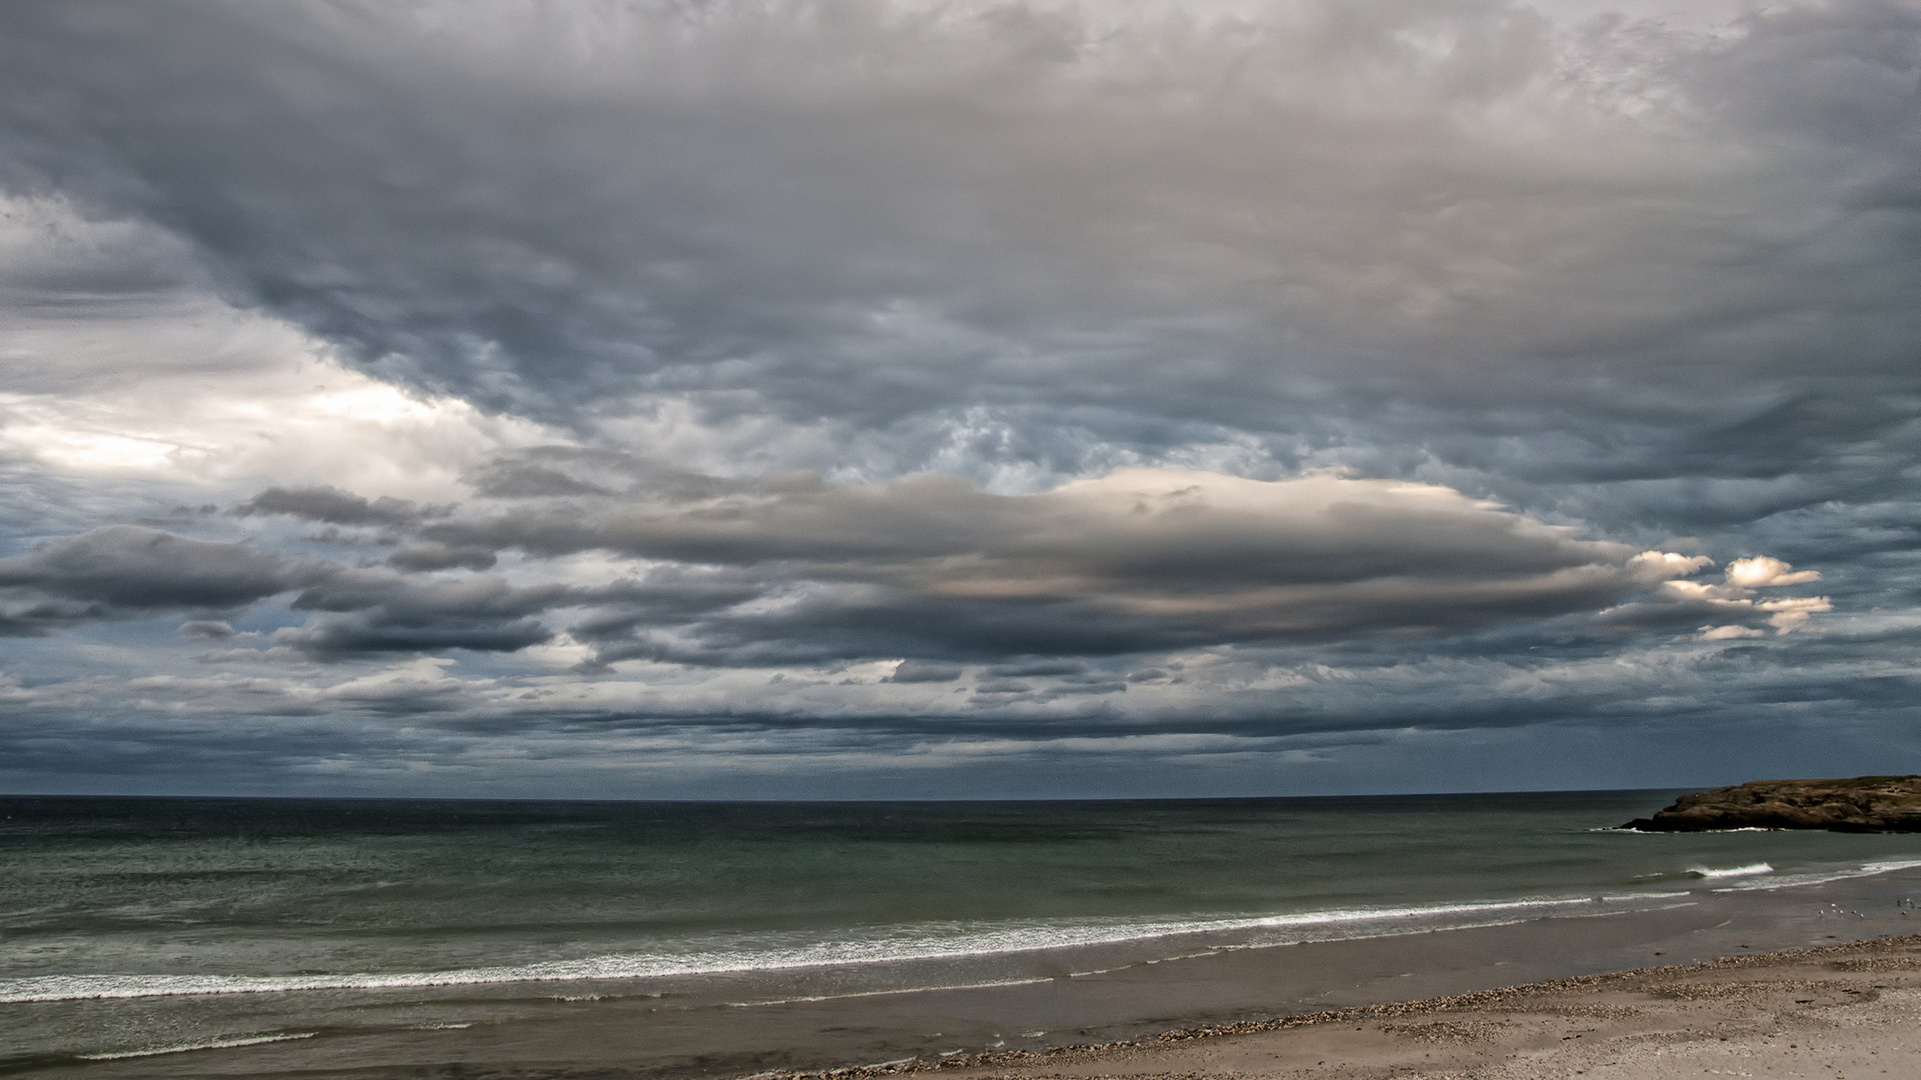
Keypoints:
(1863, 804)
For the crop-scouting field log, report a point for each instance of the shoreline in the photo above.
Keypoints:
(1102, 1023)
(1905, 949)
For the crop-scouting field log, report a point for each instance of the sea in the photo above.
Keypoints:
(138, 927)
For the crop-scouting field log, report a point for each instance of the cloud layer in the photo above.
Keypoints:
(1138, 560)
(1249, 389)
(1002, 204)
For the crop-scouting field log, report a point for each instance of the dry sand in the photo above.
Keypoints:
(1851, 1010)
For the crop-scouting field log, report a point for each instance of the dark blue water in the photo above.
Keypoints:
(115, 911)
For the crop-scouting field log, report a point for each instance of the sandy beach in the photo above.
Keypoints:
(1821, 981)
(1836, 1011)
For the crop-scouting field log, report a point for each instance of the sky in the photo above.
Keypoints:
(957, 398)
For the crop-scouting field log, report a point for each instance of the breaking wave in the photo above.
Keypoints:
(1017, 939)
(1731, 872)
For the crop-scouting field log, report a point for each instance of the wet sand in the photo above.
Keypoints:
(1837, 1011)
(1315, 1009)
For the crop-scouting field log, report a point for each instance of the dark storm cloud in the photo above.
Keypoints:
(1803, 679)
(790, 569)
(795, 570)
(1151, 365)
(123, 571)
(336, 507)
(1008, 205)
(383, 630)
(434, 555)
(1135, 526)
(545, 472)
(1573, 269)
(367, 613)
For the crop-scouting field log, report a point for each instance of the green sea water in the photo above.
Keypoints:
(126, 923)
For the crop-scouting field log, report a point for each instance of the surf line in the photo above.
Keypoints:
(48, 988)
(217, 1044)
(835, 954)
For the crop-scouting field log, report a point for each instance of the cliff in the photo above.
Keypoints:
(1863, 804)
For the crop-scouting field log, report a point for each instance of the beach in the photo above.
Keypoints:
(1701, 986)
(1847, 1010)
(382, 940)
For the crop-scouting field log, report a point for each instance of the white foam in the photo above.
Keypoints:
(1690, 832)
(1749, 870)
(824, 954)
(1359, 922)
(1823, 877)
(217, 1044)
(892, 992)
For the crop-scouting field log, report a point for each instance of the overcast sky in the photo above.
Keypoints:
(884, 398)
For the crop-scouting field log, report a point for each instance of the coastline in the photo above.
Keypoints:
(1126, 1010)
(1729, 1016)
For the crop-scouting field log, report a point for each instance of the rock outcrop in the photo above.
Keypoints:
(1863, 804)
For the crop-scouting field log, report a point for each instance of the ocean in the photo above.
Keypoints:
(143, 927)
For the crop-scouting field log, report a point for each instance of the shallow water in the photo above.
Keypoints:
(132, 925)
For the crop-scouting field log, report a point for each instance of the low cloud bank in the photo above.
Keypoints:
(794, 570)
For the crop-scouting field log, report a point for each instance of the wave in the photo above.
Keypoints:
(1824, 876)
(824, 954)
(921, 943)
(215, 1044)
(1749, 870)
